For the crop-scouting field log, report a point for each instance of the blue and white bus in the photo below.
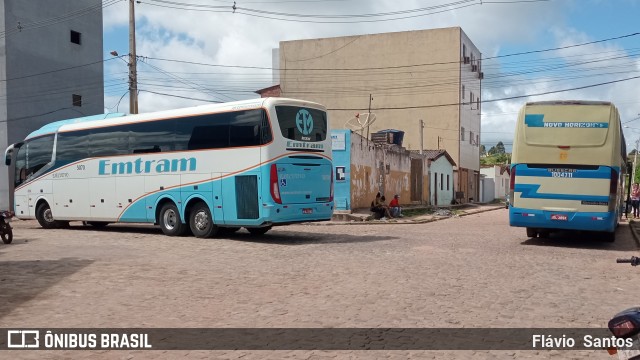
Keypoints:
(208, 169)
(568, 168)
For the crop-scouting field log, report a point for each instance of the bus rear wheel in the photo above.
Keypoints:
(45, 216)
(98, 224)
(227, 230)
(201, 221)
(259, 231)
(170, 221)
(609, 236)
(532, 233)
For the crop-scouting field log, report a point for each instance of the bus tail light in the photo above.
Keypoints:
(331, 191)
(613, 189)
(274, 185)
(512, 184)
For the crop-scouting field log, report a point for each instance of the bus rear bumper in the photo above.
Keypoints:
(543, 219)
(295, 213)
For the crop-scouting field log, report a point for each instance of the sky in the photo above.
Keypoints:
(591, 46)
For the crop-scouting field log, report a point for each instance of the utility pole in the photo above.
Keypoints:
(635, 158)
(369, 116)
(421, 136)
(133, 80)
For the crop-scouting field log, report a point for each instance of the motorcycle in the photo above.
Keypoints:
(626, 325)
(5, 227)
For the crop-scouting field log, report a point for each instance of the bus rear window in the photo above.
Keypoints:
(567, 125)
(302, 124)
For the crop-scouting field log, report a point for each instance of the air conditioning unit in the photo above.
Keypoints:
(481, 75)
(474, 67)
(467, 60)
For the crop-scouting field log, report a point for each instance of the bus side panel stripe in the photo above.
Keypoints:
(530, 191)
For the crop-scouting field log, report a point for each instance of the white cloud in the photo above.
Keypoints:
(237, 39)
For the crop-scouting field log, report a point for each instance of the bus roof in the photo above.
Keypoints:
(569, 102)
(54, 126)
(98, 120)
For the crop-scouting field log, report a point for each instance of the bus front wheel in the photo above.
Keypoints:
(170, 221)
(45, 216)
(201, 221)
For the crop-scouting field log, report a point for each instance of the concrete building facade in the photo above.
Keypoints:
(363, 168)
(441, 189)
(51, 67)
(403, 77)
(500, 176)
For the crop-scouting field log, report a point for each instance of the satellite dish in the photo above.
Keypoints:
(360, 121)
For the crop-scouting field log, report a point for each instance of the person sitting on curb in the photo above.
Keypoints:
(378, 208)
(394, 206)
(384, 208)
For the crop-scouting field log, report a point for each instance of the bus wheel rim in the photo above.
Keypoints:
(170, 219)
(201, 220)
(48, 216)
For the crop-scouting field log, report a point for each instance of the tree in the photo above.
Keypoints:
(500, 148)
(492, 151)
(483, 150)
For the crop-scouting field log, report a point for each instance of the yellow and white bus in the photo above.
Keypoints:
(568, 168)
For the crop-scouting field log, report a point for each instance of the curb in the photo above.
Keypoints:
(634, 233)
(412, 222)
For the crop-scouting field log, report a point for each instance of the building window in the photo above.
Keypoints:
(447, 182)
(462, 133)
(463, 92)
(75, 37)
(464, 51)
(471, 137)
(478, 102)
(76, 100)
(441, 181)
(477, 140)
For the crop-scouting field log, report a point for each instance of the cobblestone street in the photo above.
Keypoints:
(471, 271)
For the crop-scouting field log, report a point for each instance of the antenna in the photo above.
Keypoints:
(360, 122)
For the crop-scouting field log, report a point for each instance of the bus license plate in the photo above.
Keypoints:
(559, 217)
(307, 211)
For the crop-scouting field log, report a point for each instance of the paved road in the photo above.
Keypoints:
(473, 271)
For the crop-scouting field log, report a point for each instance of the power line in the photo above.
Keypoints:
(499, 99)
(57, 19)
(391, 67)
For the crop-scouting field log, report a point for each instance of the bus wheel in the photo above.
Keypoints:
(98, 224)
(259, 231)
(609, 236)
(170, 221)
(532, 233)
(45, 216)
(228, 230)
(201, 222)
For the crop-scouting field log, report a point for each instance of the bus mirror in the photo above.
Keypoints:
(7, 159)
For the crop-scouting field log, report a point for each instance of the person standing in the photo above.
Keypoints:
(635, 199)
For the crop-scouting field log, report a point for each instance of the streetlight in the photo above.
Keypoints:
(133, 84)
